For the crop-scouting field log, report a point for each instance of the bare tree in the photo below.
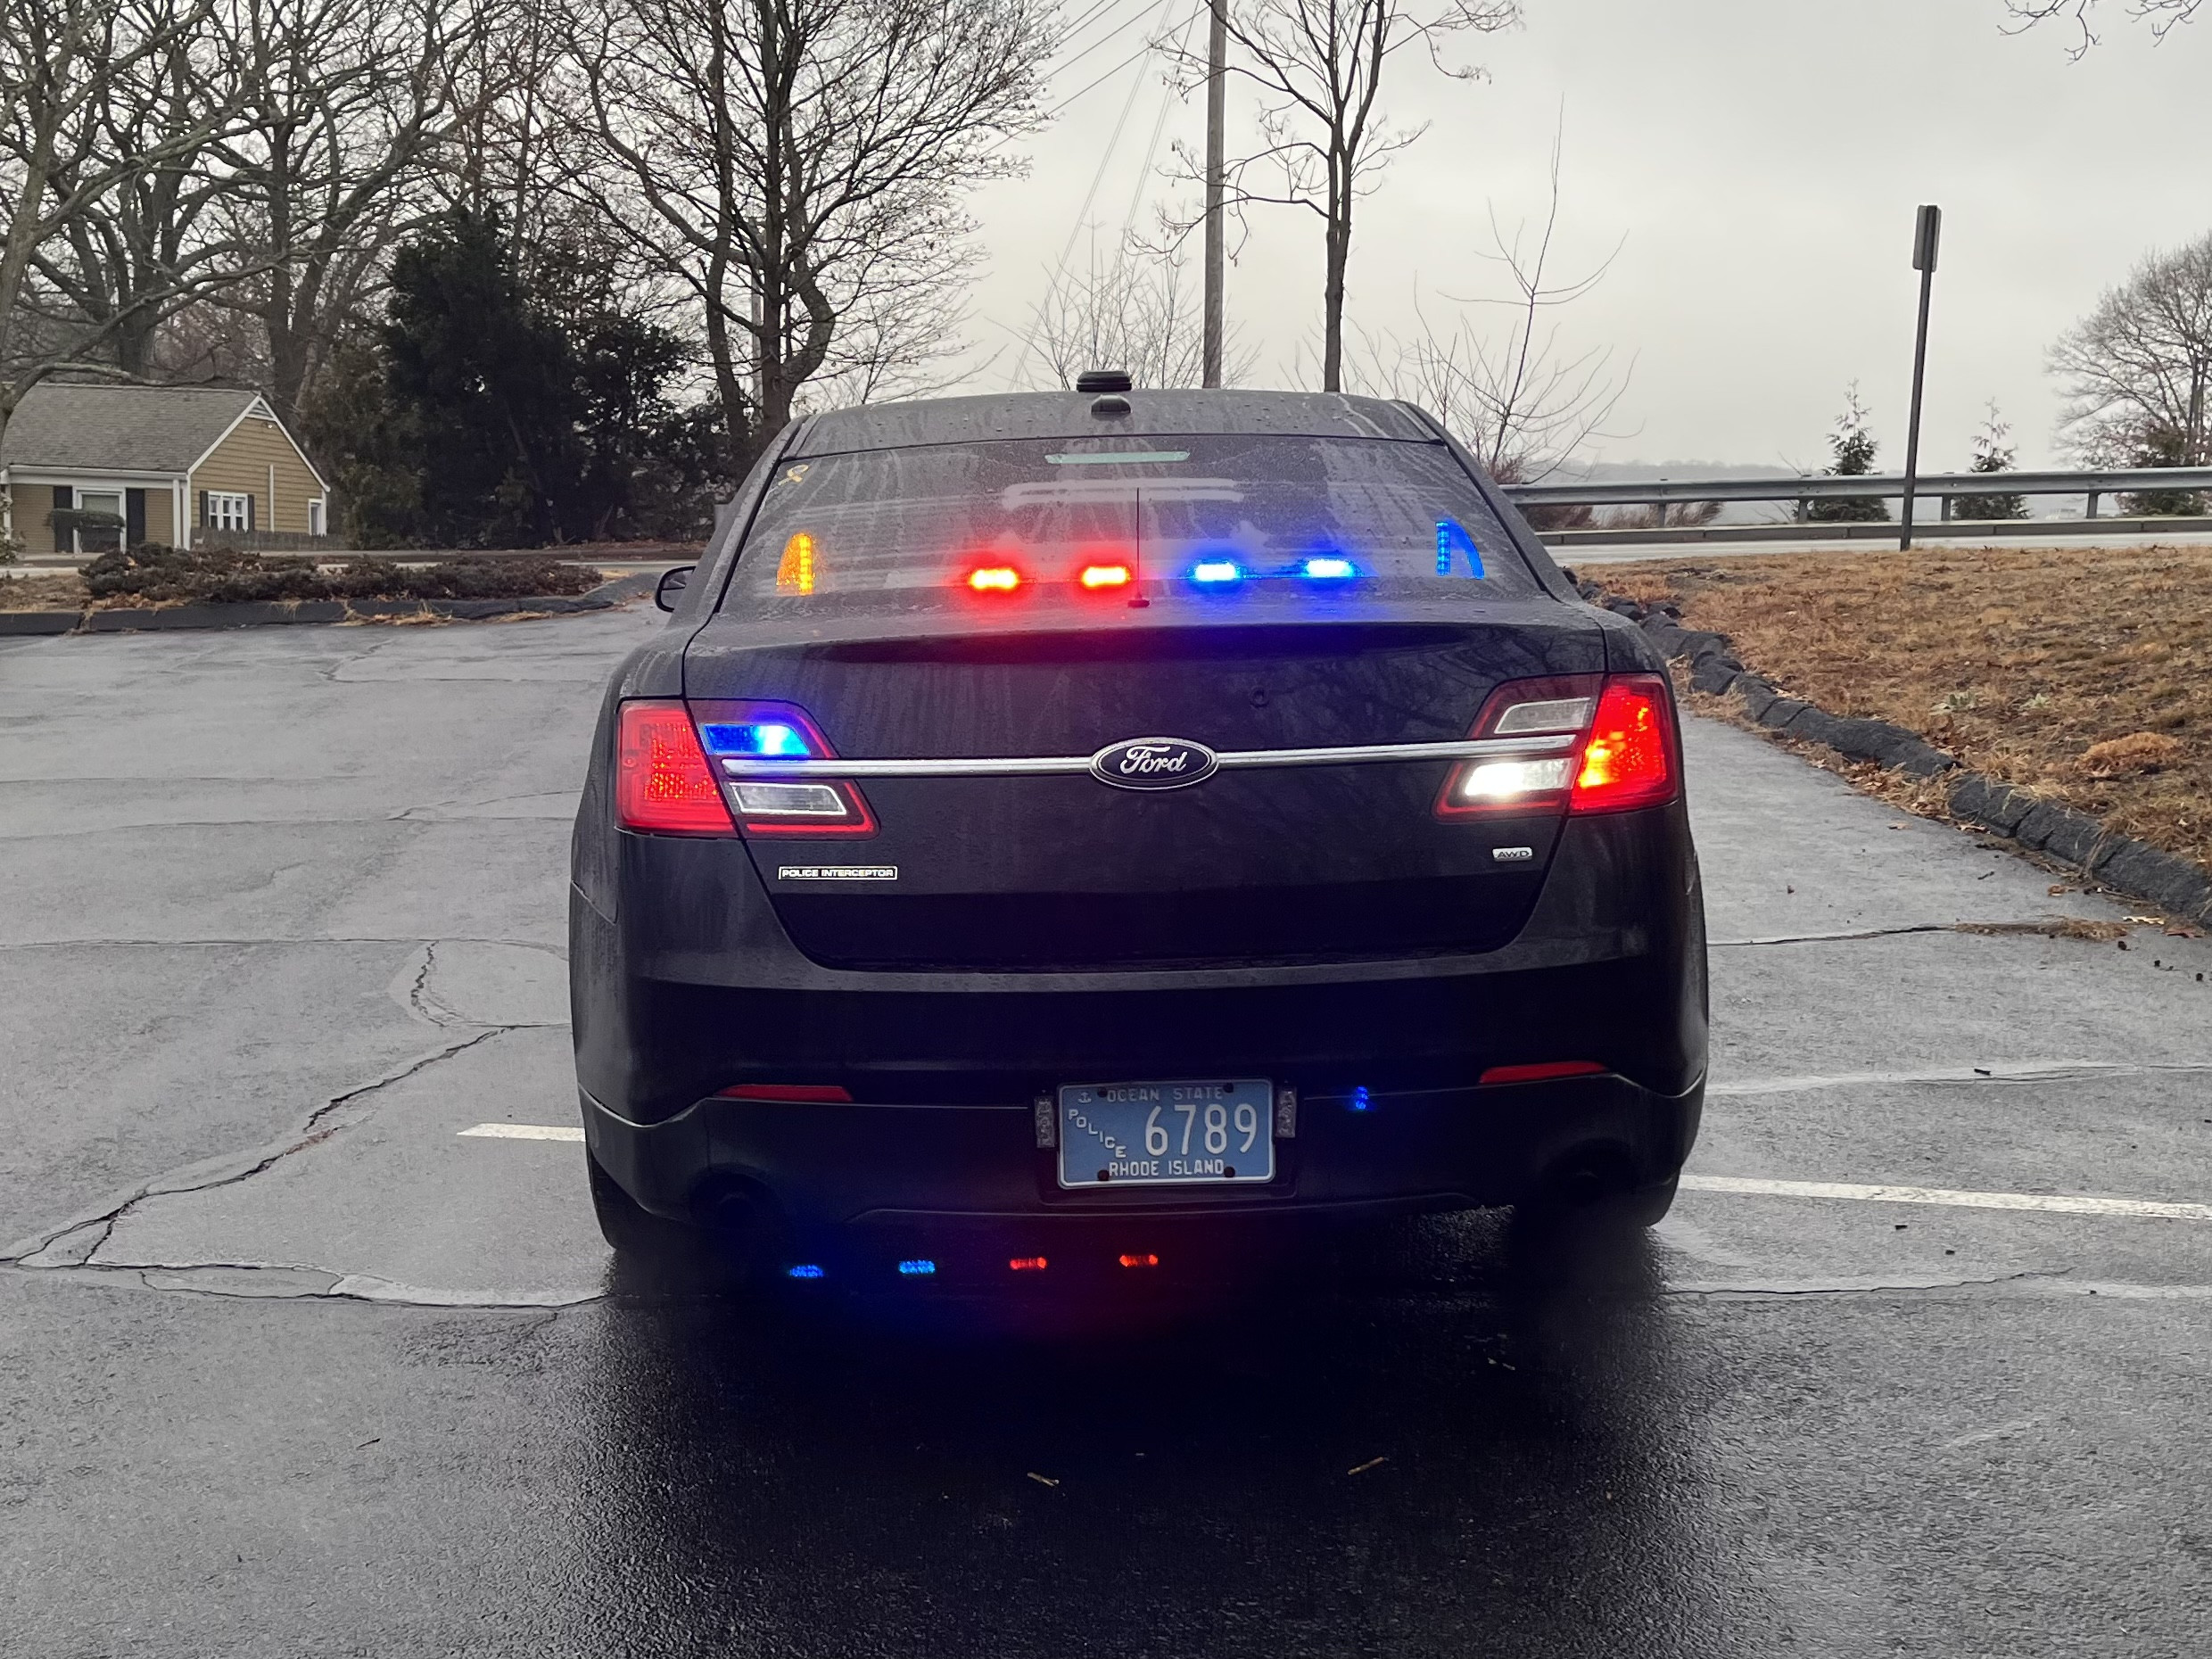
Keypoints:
(1523, 402)
(2164, 16)
(344, 106)
(132, 251)
(796, 166)
(1133, 311)
(64, 162)
(2138, 368)
(1317, 67)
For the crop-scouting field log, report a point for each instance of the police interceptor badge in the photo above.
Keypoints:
(836, 872)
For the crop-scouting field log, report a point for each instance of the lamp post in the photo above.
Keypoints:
(1926, 235)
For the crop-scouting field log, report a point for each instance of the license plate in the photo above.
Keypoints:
(1166, 1134)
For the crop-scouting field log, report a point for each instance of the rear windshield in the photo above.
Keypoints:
(1183, 520)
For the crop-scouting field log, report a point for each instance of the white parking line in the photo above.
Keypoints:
(1741, 1186)
(2062, 1203)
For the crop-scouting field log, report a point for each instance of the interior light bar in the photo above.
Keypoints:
(995, 579)
(1097, 576)
(1216, 572)
(1330, 569)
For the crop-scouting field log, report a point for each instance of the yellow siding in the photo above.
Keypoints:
(158, 527)
(240, 466)
(33, 502)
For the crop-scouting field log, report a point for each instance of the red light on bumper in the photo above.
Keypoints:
(1026, 1264)
(1543, 1073)
(811, 1094)
(662, 781)
(1143, 1259)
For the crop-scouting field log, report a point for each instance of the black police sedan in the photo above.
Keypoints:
(1049, 817)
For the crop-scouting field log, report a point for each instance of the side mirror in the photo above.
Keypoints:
(671, 583)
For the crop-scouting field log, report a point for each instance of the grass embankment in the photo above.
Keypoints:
(2083, 674)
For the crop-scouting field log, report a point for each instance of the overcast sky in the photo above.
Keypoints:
(1762, 159)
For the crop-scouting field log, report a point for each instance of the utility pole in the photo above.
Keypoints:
(1926, 235)
(1216, 70)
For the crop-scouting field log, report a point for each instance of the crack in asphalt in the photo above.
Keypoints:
(312, 1131)
(558, 951)
(2056, 927)
(279, 1282)
(1996, 1071)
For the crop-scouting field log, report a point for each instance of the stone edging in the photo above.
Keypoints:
(2119, 862)
(282, 613)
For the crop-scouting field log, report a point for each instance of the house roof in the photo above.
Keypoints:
(120, 429)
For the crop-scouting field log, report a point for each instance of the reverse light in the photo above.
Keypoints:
(995, 579)
(1542, 1073)
(1217, 572)
(812, 1094)
(1097, 576)
(662, 784)
(1629, 761)
(1504, 781)
(1026, 1264)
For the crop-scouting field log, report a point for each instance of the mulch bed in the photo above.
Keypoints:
(2081, 677)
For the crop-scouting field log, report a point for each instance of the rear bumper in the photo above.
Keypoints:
(1416, 1149)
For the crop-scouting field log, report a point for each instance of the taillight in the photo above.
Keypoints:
(1629, 761)
(766, 804)
(1558, 708)
(1614, 748)
(662, 780)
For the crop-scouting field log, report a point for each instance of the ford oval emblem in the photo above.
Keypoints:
(1155, 764)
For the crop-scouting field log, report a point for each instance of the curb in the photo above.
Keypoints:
(291, 612)
(2119, 862)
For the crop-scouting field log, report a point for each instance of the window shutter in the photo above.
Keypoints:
(64, 497)
(205, 521)
(250, 500)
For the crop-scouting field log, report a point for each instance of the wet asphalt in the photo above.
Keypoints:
(290, 1367)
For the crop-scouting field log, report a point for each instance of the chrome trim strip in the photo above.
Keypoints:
(1043, 766)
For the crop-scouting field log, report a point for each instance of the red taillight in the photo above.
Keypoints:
(1140, 1259)
(1026, 1264)
(1629, 761)
(807, 1093)
(662, 781)
(1542, 1073)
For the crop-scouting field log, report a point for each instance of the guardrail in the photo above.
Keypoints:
(1944, 486)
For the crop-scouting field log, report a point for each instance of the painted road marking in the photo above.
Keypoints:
(2061, 1202)
(525, 1131)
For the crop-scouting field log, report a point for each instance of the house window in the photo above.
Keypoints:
(229, 512)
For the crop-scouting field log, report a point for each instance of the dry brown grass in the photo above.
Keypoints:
(2084, 674)
(63, 592)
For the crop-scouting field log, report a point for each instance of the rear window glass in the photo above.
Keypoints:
(1185, 521)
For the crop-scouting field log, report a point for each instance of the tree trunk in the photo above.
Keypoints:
(1339, 243)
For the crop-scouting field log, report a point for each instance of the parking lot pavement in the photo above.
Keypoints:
(293, 1365)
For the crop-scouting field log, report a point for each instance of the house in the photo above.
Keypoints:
(176, 464)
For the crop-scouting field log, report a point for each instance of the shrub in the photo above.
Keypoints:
(153, 573)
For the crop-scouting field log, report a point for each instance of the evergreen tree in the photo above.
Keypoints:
(2162, 446)
(1992, 454)
(484, 414)
(1854, 451)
